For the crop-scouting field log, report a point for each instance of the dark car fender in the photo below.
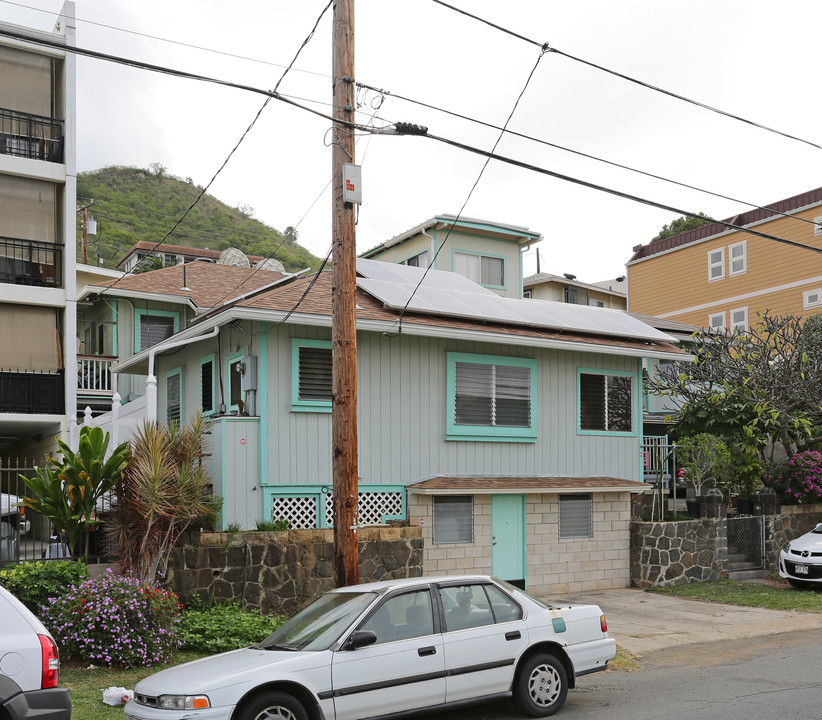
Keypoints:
(51, 704)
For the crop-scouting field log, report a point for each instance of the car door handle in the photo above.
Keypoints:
(430, 650)
(513, 635)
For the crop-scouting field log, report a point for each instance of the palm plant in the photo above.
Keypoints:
(163, 491)
(67, 493)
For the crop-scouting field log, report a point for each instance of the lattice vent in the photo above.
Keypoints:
(301, 512)
(371, 508)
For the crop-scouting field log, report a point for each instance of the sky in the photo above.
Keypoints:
(751, 58)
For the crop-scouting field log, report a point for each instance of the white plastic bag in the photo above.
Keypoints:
(116, 696)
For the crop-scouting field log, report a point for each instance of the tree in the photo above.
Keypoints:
(67, 492)
(163, 491)
(680, 225)
(704, 457)
(752, 386)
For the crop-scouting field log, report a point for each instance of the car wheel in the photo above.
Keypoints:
(542, 685)
(272, 706)
(798, 583)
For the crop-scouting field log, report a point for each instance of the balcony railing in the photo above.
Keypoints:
(93, 374)
(30, 392)
(31, 136)
(28, 262)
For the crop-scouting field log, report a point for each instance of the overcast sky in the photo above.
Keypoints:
(756, 59)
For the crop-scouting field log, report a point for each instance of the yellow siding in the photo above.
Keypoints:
(675, 284)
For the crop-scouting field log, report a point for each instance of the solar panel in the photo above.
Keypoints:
(450, 294)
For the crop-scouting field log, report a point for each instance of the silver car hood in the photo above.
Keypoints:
(229, 668)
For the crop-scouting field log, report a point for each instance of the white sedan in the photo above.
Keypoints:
(800, 560)
(387, 648)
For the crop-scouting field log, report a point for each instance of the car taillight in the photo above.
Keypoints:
(51, 663)
(603, 624)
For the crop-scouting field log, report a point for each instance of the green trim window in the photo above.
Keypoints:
(576, 516)
(311, 375)
(453, 519)
(418, 260)
(488, 270)
(154, 326)
(207, 384)
(174, 396)
(607, 402)
(491, 398)
(235, 382)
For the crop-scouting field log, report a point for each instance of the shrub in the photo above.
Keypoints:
(115, 620)
(34, 583)
(219, 627)
(798, 479)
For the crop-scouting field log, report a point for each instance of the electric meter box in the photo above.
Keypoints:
(248, 379)
(352, 183)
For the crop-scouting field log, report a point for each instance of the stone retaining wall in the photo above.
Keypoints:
(672, 553)
(794, 520)
(281, 572)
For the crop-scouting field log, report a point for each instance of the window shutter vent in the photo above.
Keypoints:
(315, 374)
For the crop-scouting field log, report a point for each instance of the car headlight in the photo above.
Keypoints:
(183, 702)
(786, 547)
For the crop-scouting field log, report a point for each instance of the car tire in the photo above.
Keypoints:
(541, 685)
(272, 706)
(799, 584)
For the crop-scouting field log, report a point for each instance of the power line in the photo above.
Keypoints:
(471, 191)
(167, 40)
(642, 83)
(580, 153)
(242, 137)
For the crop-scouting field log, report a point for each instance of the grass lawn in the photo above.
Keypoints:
(774, 595)
(87, 685)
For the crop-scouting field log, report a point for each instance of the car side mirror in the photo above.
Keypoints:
(360, 638)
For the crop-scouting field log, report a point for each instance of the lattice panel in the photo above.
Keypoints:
(371, 507)
(301, 512)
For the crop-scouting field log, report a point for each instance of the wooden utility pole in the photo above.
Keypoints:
(343, 308)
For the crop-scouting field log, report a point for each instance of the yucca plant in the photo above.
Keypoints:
(163, 491)
(67, 492)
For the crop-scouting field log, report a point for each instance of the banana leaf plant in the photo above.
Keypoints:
(67, 492)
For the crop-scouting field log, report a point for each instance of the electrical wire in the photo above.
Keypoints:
(641, 83)
(580, 153)
(242, 137)
(167, 40)
(470, 192)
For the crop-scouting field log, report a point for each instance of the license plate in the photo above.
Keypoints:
(800, 569)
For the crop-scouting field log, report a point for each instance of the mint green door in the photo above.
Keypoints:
(508, 538)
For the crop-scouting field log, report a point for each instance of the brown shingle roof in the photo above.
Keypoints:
(209, 283)
(490, 485)
(811, 197)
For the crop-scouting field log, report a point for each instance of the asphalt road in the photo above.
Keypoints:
(762, 678)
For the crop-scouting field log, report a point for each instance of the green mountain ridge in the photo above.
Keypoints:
(136, 204)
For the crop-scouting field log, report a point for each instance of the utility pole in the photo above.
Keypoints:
(343, 308)
(84, 211)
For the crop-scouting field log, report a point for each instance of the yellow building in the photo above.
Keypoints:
(720, 278)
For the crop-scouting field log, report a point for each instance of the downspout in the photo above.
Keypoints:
(433, 247)
(151, 381)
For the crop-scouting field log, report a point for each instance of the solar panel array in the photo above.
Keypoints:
(452, 295)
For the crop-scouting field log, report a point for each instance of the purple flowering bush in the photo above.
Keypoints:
(115, 620)
(798, 479)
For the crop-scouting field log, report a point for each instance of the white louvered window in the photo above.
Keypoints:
(173, 397)
(576, 516)
(492, 395)
(311, 391)
(606, 402)
(155, 329)
(207, 385)
(453, 519)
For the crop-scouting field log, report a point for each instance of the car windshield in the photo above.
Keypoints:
(319, 625)
(817, 529)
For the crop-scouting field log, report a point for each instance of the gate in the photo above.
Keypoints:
(23, 535)
(746, 542)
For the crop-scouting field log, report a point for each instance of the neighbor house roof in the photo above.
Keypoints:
(478, 485)
(150, 247)
(208, 284)
(603, 287)
(789, 205)
(514, 232)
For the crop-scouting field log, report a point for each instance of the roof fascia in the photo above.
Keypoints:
(528, 490)
(136, 295)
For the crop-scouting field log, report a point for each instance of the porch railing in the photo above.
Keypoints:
(31, 136)
(29, 262)
(94, 374)
(30, 392)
